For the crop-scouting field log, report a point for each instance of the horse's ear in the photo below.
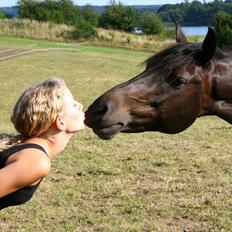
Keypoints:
(180, 37)
(208, 47)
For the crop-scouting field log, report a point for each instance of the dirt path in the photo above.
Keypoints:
(12, 53)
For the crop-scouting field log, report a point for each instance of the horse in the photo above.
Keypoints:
(179, 84)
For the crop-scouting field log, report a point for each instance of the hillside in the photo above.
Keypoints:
(12, 12)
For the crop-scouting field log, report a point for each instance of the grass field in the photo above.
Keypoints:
(135, 182)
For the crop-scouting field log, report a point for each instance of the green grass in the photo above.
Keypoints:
(135, 182)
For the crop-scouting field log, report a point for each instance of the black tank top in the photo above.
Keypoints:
(24, 194)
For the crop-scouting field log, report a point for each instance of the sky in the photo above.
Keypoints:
(4, 3)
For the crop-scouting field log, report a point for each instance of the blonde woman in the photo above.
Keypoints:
(46, 116)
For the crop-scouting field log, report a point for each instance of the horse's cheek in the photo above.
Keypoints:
(180, 112)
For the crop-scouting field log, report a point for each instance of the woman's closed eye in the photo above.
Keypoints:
(78, 106)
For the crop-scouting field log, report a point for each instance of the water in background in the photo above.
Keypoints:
(194, 30)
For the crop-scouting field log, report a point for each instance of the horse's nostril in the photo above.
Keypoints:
(103, 109)
(100, 109)
(120, 124)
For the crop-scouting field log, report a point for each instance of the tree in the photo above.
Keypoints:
(90, 15)
(222, 23)
(26, 8)
(120, 17)
(151, 23)
(83, 30)
(57, 11)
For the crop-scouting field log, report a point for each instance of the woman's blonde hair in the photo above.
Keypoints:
(37, 109)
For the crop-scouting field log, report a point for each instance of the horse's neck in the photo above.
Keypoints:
(222, 76)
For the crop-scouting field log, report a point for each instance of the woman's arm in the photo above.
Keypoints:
(28, 166)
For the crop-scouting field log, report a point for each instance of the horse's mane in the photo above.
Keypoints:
(179, 55)
(224, 52)
(174, 56)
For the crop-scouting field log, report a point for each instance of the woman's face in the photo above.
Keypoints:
(73, 114)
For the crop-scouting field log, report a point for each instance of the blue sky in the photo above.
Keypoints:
(106, 2)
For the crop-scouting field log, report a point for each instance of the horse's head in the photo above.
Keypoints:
(167, 96)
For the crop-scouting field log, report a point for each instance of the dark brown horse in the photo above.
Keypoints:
(179, 84)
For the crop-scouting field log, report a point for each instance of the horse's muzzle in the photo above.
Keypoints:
(108, 133)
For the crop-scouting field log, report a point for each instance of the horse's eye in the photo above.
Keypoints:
(178, 81)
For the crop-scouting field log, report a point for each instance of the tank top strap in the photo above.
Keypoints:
(5, 154)
(29, 145)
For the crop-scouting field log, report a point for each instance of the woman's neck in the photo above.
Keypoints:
(53, 143)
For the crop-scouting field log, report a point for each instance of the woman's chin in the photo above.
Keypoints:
(74, 130)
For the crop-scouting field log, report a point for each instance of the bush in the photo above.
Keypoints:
(2, 15)
(151, 23)
(90, 15)
(84, 29)
(222, 23)
(119, 17)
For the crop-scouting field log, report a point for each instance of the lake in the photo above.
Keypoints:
(194, 30)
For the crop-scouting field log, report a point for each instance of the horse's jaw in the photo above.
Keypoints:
(109, 132)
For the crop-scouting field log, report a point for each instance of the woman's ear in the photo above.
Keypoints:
(60, 123)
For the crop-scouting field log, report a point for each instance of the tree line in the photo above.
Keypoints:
(194, 13)
(121, 17)
(116, 16)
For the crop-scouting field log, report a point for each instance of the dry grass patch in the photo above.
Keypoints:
(111, 38)
(33, 29)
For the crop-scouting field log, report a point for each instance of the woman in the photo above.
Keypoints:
(46, 115)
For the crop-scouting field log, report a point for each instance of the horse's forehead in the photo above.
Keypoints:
(161, 74)
(187, 70)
